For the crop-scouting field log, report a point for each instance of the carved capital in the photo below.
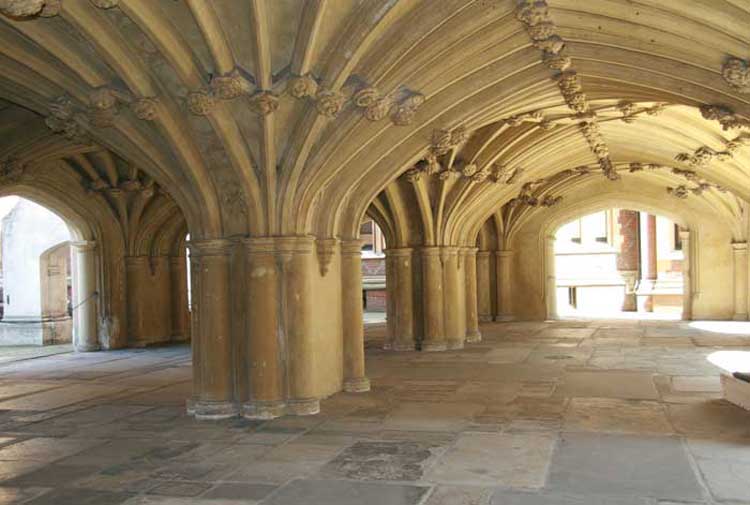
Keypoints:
(302, 86)
(200, 102)
(146, 108)
(230, 85)
(413, 175)
(264, 102)
(406, 109)
(329, 103)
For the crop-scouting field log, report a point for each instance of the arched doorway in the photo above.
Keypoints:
(49, 294)
(619, 263)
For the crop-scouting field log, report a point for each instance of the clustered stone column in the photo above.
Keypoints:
(351, 299)
(263, 346)
(454, 319)
(484, 286)
(473, 335)
(180, 310)
(739, 250)
(85, 338)
(504, 261)
(213, 387)
(432, 297)
(401, 320)
(432, 307)
(687, 276)
(297, 267)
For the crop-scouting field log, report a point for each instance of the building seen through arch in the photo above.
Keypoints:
(511, 191)
(619, 261)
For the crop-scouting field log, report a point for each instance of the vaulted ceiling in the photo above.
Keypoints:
(280, 117)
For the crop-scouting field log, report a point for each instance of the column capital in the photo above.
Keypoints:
(483, 254)
(505, 253)
(210, 247)
(684, 234)
(430, 251)
(136, 260)
(297, 244)
(399, 252)
(739, 246)
(259, 245)
(351, 247)
(84, 245)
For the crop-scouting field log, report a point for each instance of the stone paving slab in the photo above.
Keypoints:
(623, 465)
(335, 492)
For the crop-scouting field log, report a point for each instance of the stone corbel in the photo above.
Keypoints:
(326, 249)
(104, 103)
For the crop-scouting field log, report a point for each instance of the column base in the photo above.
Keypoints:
(402, 347)
(453, 345)
(214, 411)
(263, 409)
(473, 337)
(504, 318)
(88, 348)
(434, 346)
(306, 407)
(358, 385)
(190, 406)
(485, 318)
(739, 317)
(387, 346)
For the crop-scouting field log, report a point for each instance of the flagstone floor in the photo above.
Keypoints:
(561, 413)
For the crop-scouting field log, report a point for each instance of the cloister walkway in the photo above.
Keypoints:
(567, 412)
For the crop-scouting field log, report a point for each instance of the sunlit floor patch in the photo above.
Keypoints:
(728, 327)
(731, 361)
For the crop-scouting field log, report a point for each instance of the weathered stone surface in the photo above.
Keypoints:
(315, 492)
(610, 415)
(397, 461)
(636, 386)
(623, 465)
(474, 460)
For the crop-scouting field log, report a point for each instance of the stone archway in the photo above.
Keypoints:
(707, 247)
(551, 263)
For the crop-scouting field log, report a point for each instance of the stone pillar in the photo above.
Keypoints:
(504, 261)
(297, 264)
(739, 253)
(648, 261)
(473, 334)
(484, 300)
(264, 363)
(179, 298)
(550, 277)
(432, 300)
(401, 318)
(455, 333)
(352, 317)
(628, 256)
(85, 334)
(213, 386)
(687, 277)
